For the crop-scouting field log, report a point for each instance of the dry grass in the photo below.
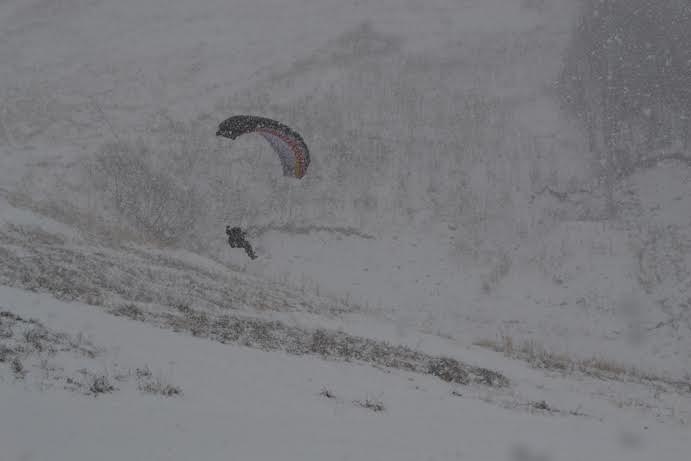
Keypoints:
(27, 347)
(600, 367)
(273, 335)
(30, 351)
(100, 384)
(327, 393)
(122, 278)
(158, 385)
(128, 282)
(374, 405)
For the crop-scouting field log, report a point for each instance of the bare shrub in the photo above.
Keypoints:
(198, 323)
(374, 405)
(5, 330)
(155, 203)
(100, 384)
(18, 367)
(448, 370)
(143, 373)
(158, 385)
(541, 405)
(40, 339)
(129, 310)
(6, 353)
(327, 393)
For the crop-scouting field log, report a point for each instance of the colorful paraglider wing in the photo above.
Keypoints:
(288, 144)
(290, 152)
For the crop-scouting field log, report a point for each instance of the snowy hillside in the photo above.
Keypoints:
(239, 403)
(181, 357)
(444, 283)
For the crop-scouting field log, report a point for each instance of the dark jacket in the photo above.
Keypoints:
(237, 238)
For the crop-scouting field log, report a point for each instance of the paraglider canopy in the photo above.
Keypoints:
(288, 144)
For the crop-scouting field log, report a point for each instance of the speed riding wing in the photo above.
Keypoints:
(288, 144)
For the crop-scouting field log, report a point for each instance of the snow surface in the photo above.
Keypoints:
(239, 403)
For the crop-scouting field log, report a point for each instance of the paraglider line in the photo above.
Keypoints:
(105, 119)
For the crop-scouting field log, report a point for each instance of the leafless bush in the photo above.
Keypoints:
(152, 201)
(541, 406)
(143, 373)
(159, 385)
(100, 384)
(40, 339)
(129, 310)
(328, 393)
(5, 329)
(18, 367)
(374, 405)
(6, 353)
(448, 370)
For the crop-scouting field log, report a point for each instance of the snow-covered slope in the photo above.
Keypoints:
(183, 357)
(239, 403)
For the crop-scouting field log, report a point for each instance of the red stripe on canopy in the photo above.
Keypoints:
(294, 145)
